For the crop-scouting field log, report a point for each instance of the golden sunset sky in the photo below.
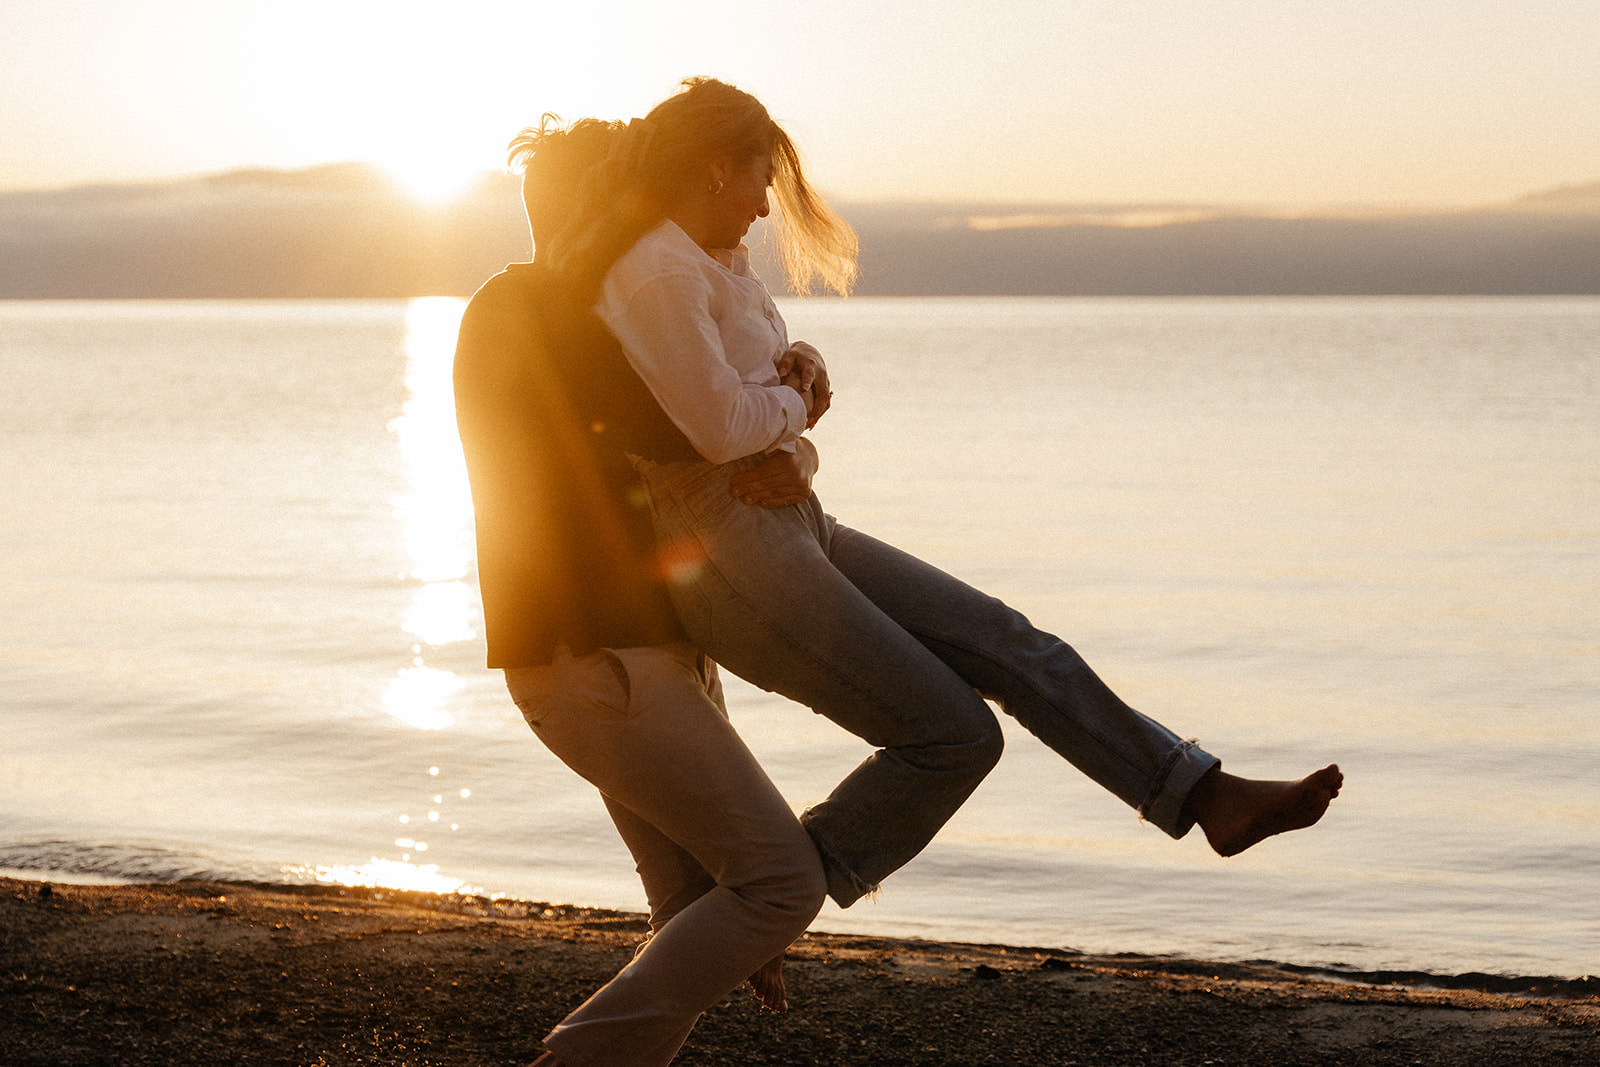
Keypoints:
(1238, 101)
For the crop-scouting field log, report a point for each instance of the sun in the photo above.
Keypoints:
(433, 180)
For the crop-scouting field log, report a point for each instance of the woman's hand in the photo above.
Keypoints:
(801, 369)
(781, 479)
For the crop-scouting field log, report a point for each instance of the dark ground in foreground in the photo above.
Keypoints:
(227, 974)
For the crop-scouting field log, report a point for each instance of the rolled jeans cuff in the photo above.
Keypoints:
(844, 885)
(1163, 806)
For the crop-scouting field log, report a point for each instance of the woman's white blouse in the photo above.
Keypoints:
(705, 337)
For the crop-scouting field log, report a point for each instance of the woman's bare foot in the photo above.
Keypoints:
(767, 984)
(1236, 813)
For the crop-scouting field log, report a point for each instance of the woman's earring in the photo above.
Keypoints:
(715, 188)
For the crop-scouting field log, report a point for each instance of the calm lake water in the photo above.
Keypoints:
(241, 636)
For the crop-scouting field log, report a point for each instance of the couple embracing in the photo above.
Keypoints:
(633, 415)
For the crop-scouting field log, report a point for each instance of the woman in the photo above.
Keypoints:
(595, 660)
(889, 647)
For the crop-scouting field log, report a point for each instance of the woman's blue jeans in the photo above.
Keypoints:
(900, 654)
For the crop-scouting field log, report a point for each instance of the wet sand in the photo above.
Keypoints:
(198, 973)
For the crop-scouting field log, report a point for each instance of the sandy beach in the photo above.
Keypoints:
(198, 973)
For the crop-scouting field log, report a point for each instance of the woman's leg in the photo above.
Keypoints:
(1047, 687)
(640, 725)
(755, 591)
(826, 623)
(1034, 676)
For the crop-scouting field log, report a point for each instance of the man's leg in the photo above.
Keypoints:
(672, 878)
(639, 725)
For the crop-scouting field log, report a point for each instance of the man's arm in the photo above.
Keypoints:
(783, 478)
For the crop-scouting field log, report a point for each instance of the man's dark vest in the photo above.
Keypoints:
(548, 406)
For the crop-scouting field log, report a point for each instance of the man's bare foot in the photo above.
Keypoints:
(1236, 813)
(767, 985)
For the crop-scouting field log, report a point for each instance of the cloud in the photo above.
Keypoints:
(340, 231)
(346, 231)
(1129, 218)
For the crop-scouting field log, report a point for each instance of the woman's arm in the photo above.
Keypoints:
(670, 336)
(802, 369)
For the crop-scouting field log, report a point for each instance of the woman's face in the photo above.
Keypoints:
(743, 199)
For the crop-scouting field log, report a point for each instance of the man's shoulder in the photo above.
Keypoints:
(515, 304)
(517, 287)
(501, 334)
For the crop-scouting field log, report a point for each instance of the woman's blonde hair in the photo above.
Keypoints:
(655, 158)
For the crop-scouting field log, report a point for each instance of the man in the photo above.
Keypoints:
(577, 615)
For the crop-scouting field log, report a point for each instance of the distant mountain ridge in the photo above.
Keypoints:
(344, 230)
(1583, 197)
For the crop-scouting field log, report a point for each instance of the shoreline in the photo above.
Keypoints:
(197, 972)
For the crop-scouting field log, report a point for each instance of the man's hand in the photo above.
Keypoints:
(801, 368)
(781, 479)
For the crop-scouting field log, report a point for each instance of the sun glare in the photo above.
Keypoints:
(434, 181)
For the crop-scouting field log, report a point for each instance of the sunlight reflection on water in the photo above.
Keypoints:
(387, 874)
(441, 613)
(435, 513)
(418, 696)
(436, 510)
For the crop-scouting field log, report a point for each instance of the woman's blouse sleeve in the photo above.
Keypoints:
(669, 333)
